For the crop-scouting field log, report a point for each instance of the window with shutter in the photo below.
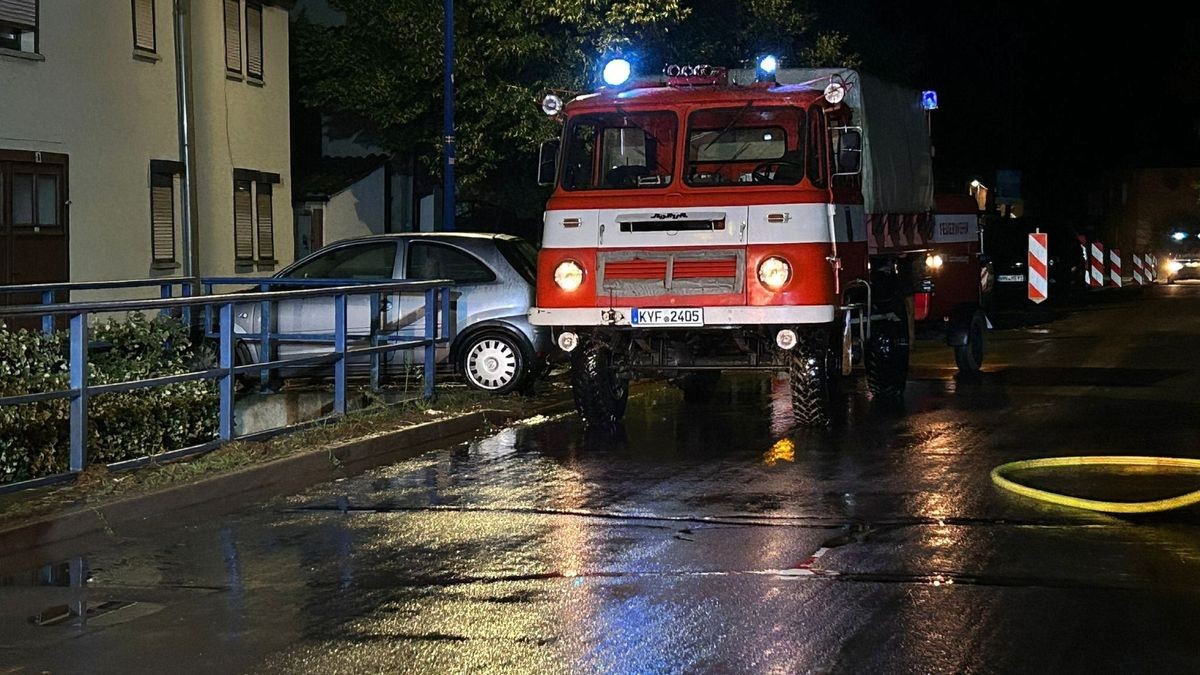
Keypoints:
(18, 25)
(266, 223)
(254, 40)
(243, 221)
(162, 217)
(233, 36)
(143, 26)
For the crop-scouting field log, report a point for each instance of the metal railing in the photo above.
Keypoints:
(437, 296)
(269, 337)
(48, 292)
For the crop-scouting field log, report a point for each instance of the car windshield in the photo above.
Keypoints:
(745, 146)
(619, 151)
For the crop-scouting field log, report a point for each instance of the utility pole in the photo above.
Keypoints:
(448, 118)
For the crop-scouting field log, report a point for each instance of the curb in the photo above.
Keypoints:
(229, 492)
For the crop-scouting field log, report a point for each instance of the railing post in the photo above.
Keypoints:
(47, 319)
(207, 289)
(225, 423)
(339, 346)
(265, 353)
(431, 304)
(376, 358)
(78, 352)
(164, 292)
(185, 290)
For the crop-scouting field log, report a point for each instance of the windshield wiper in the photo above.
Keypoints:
(729, 126)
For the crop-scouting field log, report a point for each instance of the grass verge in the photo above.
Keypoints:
(98, 485)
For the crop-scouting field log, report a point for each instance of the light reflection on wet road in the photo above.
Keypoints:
(701, 538)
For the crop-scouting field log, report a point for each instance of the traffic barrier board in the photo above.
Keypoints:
(1096, 280)
(1038, 267)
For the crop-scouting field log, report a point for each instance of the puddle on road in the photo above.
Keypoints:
(75, 574)
(63, 574)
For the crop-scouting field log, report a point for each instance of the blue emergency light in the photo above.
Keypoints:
(617, 72)
(929, 100)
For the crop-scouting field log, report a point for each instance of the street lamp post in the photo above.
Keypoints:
(448, 118)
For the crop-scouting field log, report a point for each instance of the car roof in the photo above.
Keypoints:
(448, 236)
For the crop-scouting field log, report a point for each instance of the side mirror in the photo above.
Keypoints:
(547, 163)
(849, 152)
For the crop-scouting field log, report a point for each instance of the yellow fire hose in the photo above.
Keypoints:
(1181, 501)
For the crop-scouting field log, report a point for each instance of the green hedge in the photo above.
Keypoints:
(124, 425)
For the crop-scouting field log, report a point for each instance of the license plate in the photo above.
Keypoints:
(1007, 278)
(674, 316)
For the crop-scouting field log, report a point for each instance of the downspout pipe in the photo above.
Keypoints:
(185, 120)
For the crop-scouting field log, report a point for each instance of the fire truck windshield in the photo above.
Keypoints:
(745, 146)
(619, 150)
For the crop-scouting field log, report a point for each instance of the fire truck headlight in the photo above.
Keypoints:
(934, 262)
(568, 275)
(774, 272)
(617, 72)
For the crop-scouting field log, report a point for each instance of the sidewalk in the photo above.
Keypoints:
(242, 473)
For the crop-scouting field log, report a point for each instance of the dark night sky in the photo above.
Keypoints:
(1061, 93)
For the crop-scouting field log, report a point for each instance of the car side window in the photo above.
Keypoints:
(358, 261)
(427, 260)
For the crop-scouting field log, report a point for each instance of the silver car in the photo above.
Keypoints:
(496, 349)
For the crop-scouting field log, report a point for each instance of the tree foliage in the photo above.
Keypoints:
(384, 64)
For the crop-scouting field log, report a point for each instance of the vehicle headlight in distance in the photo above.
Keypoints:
(934, 261)
(1174, 266)
(568, 275)
(774, 272)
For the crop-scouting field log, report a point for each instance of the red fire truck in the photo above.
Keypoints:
(716, 219)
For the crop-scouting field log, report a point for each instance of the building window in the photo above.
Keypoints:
(18, 25)
(162, 218)
(163, 208)
(254, 40)
(143, 26)
(254, 216)
(266, 222)
(243, 221)
(233, 36)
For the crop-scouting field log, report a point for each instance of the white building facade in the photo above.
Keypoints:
(91, 172)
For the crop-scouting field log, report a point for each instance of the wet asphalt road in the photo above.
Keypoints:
(704, 538)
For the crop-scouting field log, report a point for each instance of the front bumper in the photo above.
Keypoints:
(721, 316)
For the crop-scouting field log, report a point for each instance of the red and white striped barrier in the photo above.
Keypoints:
(1139, 265)
(1038, 266)
(1114, 266)
(1096, 279)
(1153, 266)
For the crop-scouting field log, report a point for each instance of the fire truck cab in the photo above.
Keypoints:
(711, 221)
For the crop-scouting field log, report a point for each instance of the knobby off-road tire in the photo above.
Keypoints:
(969, 356)
(600, 393)
(887, 354)
(814, 376)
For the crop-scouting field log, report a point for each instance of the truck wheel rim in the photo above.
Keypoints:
(491, 364)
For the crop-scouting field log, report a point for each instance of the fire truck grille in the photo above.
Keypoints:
(652, 273)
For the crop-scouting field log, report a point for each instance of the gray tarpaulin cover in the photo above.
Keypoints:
(897, 166)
